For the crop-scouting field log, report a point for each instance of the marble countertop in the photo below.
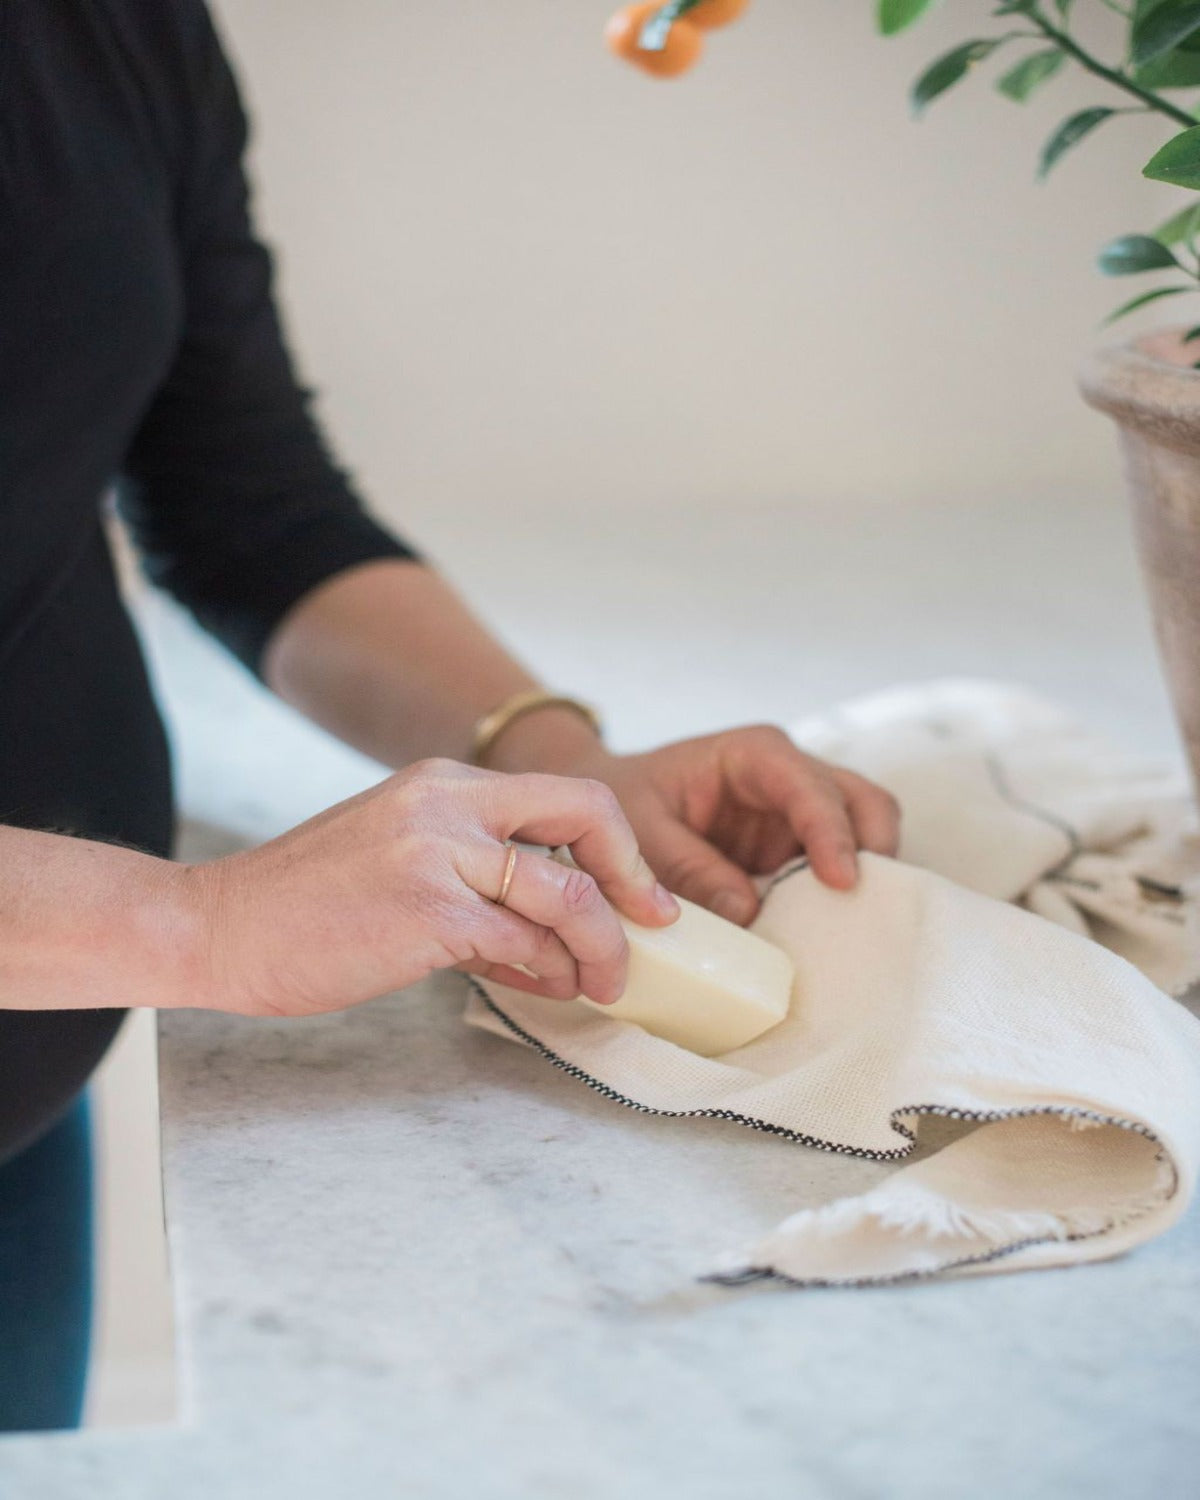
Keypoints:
(413, 1259)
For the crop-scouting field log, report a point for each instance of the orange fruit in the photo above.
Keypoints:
(683, 48)
(710, 14)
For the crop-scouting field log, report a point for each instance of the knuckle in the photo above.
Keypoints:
(603, 799)
(425, 786)
(559, 986)
(580, 893)
(411, 792)
(419, 853)
(435, 768)
(890, 804)
(425, 775)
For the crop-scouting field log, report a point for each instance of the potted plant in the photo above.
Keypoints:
(1150, 385)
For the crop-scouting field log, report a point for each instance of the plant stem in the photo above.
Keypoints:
(653, 36)
(1110, 75)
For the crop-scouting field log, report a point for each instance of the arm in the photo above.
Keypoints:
(240, 512)
(390, 660)
(86, 925)
(367, 897)
(229, 488)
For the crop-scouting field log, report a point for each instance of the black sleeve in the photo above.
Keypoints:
(229, 488)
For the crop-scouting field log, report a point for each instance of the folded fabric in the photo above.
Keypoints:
(938, 991)
(1007, 794)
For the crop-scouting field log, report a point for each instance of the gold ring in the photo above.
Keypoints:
(509, 871)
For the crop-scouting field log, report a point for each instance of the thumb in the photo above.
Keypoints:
(691, 867)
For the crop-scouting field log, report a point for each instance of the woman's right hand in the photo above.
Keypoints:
(382, 889)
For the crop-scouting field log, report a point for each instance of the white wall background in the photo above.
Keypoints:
(522, 273)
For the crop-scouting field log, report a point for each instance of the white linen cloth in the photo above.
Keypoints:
(986, 977)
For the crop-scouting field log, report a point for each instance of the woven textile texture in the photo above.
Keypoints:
(1006, 973)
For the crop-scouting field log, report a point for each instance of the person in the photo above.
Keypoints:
(140, 344)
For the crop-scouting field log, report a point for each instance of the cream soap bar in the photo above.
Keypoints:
(703, 983)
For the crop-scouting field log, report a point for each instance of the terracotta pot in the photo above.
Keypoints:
(1150, 389)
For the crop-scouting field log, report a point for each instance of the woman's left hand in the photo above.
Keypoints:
(712, 811)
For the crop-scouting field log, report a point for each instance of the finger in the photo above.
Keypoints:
(586, 816)
(562, 899)
(737, 832)
(821, 821)
(803, 790)
(700, 873)
(515, 979)
(768, 843)
(873, 810)
(776, 846)
(504, 937)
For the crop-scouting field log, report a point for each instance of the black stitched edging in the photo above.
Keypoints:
(945, 1111)
(573, 1070)
(765, 1273)
(798, 864)
(760, 1273)
(797, 1137)
(942, 1111)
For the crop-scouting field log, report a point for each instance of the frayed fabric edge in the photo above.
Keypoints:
(911, 1210)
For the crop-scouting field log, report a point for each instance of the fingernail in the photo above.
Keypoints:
(665, 902)
(733, 906)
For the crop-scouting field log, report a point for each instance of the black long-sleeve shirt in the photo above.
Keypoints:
(139, 344)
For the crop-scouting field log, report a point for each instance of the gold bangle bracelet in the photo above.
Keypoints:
(490, 726)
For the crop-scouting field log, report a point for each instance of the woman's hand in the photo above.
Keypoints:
(382, 889)
(710, 812)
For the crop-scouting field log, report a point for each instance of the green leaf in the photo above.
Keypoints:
(1070, 133)
(1162, 30)
(1019, 82)
(1174, 70)
(1178, 70)
(948, 70)
(1191, 335)
(1132, 253)
(1180, 227)
(898, 15)
(1062, 7)
(1178, 161)
(1136, 302)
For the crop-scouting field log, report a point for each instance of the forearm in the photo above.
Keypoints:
(388, 658)
(86, 925)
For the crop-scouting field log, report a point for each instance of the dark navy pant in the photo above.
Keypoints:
(46, 1276)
